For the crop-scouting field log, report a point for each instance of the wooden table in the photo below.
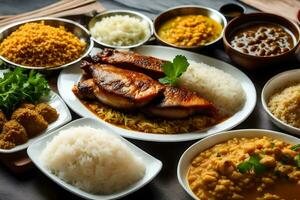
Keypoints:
(33, 185)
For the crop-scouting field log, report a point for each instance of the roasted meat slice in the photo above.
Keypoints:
(180, 103)
(129, 60)
(85, 89)
(120, 88)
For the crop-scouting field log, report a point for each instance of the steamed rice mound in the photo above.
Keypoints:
(92, 160)
(219, 87)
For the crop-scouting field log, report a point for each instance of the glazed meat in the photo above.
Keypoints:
(120, 88)
(180, 103)
(85, 89)
(132, 61)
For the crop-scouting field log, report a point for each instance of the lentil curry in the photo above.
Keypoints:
(190, 30)
(247, 168)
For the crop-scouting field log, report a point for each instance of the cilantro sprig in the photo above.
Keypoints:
(297, 158)
(173, 70)
(19, 85)
(252, 164)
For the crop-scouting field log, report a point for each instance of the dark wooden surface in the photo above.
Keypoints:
(33, 185)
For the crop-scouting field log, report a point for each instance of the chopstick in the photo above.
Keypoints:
(59, 9)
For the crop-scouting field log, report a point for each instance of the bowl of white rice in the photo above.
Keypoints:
(120, 29)
(92, 161)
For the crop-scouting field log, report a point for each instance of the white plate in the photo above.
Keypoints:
(195, 149)
(56, 102)
(280, 81)
(153, 165)
(71, 75)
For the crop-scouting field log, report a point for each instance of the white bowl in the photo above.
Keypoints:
(195, 149)
(153, 165)
(280, 81)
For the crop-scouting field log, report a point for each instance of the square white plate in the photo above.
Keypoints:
(153, 165)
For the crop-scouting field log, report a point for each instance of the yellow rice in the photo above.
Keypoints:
(40, 45)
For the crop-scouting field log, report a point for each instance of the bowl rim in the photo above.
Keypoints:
(123, 12)
(264, 103)
(89, 47)
(259, 14)
(211, 137)
(191, 6)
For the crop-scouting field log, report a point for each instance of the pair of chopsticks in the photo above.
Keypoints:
(59, 9)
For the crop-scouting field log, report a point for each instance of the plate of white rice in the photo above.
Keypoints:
(92, 161)
(228, 88)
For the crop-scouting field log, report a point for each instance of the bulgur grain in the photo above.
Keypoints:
(41, 45)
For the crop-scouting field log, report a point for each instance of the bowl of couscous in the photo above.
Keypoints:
(44, 43)
(189, 27)
(281, 100)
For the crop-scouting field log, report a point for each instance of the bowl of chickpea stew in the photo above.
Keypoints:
(257, 40)
(249, 164)
(189, 27)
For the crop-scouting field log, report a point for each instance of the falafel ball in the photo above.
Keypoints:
(30, 106)
(33, 122)
(48, 112)
(2, 120)
(14, 132)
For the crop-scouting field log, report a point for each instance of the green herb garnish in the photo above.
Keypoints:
(20, 86)
(173, 70)
(252, 164)
(295, 147)
(298, 160)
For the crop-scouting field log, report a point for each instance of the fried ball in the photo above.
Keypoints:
(14, 132)
(30, 106)
(2, 120)
(33, 122)
(48, 112)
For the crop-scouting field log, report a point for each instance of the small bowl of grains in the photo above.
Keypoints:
(44, 43)
(281, 100)
(122, 29)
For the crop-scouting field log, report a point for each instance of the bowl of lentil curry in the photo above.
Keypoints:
(251, 164)
(189, 26)
(44, 43)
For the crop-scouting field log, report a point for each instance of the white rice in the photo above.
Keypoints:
(222, 89)
(93, 160)
(120, 30)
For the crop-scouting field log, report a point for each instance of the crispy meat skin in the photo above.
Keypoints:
(129, 60)
(180, 103)
(122, 88)
(85, 89)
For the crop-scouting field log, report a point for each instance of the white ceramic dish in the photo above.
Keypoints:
(70, 76)
(153, 166)
(56, 102)
(278, 82)
(195, 149)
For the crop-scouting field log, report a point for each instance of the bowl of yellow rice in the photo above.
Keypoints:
(44, 43)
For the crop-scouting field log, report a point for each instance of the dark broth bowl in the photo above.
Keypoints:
(252, 61)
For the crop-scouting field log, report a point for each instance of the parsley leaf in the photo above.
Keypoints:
(173, 70)
(252, 164)
(295, 147)
(20, 86)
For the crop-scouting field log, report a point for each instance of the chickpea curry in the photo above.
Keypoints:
(190, 30)
(247, 168)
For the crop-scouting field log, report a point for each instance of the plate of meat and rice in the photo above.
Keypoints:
(123, 90)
